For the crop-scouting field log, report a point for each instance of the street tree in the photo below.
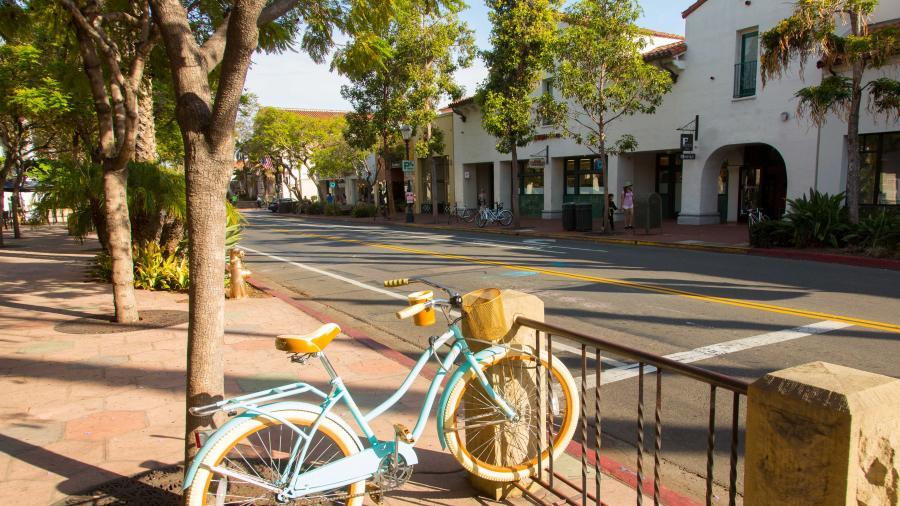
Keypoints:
(32, 100)
(522, 35)
(601, 76)
(427, 45)
(812, 30)
(114, 47)
(205, 40)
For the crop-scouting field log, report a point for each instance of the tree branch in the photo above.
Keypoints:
(213, 50)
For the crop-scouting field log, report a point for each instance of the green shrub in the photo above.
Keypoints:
(364, 210)
(820, 220)
(311, 206)
(332, 210)
(875, 231)
(772, 234)
(153, 269)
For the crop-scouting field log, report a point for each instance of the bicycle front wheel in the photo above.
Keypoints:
(480, 220)
(486, 442)
(468, 215)
(254, 457)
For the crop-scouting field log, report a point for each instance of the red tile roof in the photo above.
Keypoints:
(656, 33)
(316, 113)
(694, 6)
(666, 51)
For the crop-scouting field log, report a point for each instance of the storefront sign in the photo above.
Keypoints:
(688, 156)
(408, 166)
(467, 175)
(535, 163)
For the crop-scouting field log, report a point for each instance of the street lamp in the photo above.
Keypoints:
(406, 131)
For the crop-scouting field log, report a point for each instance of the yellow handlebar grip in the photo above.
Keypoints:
(391, 283)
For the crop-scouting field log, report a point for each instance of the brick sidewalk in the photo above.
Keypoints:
(85, 402)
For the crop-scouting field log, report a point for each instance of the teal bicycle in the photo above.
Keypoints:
(491, 417)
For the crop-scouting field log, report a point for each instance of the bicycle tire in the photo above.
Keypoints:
(205, 486)
(512, 374)
(505, 217)
(468, 215)
(480, 220)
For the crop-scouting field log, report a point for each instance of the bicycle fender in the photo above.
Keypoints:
(274, 408)
(457, 375)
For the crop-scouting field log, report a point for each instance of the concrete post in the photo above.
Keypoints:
(515, 304)
(823, 434)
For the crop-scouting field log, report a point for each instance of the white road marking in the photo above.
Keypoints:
(329, 274)
(437, 237)
(716, 350)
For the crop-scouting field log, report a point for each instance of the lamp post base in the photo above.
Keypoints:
(410, 217)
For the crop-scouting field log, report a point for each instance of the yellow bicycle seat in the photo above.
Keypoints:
(313, 342)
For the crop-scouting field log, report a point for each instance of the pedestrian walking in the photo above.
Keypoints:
(628, 205)
(329, 199)
(611, 201)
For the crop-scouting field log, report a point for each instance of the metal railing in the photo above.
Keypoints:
(745, 79)
(545, 334)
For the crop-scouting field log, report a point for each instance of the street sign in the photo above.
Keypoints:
(687, 142)
(688, 156)
(598, 164)
(535, 163)
(332, 184)
(409, 166)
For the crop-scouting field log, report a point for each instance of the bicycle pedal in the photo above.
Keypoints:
(402, 433)
(375, 493)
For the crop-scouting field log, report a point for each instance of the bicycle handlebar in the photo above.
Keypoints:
(412, 310)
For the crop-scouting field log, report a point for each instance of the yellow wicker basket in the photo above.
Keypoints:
(483, 316)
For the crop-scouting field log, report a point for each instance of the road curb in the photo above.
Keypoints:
(610, 467)
(833, 258)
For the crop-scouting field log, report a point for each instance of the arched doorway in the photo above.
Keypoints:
(763, 181)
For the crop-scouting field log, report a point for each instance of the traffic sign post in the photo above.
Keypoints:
(408, 166)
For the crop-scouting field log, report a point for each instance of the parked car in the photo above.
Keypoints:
(282, 205)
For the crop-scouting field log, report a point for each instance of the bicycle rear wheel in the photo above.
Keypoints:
(505, 217)
(480, 220)
(254, 455)
(486, 442)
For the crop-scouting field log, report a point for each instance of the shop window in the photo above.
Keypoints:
(582, 176)
(879, 168)
(531, 181)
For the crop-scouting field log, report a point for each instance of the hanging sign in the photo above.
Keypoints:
(688, 156)
(536, 163)
(332, 184)
(687, 142)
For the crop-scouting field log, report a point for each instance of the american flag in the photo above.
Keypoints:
(267, 162)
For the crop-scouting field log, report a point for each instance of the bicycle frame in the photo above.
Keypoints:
(366, 463)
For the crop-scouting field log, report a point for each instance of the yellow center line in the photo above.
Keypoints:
(888, 327)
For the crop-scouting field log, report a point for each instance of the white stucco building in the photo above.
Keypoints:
(751, 149)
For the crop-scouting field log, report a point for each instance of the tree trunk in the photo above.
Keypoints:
(514, 188)
(388, 183)
(145, 145)
(604, 161)
(207, 180)
(118, 228)
(16, 203)
(2, 207)
(434, 186)
(853, 157)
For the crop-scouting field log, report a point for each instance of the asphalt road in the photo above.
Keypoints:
(664, 301)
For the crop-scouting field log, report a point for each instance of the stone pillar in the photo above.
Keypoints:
(823, 434)
(554, 188)
(515, 304)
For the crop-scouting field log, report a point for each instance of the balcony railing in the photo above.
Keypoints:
(745, 79)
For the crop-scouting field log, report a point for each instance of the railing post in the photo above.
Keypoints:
(822, 434)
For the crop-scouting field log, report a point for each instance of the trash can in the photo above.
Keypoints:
(568, 216)
(583, 218)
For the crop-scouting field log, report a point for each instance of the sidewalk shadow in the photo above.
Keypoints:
(120, 489)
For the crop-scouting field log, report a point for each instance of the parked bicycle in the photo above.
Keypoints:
(487, 215)
(756, 216)
(461, 214)
(492, 416)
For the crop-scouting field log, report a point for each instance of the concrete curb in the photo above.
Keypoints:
(792, 254)
(611, 468)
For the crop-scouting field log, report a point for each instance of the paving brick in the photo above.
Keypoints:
(105, 424)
